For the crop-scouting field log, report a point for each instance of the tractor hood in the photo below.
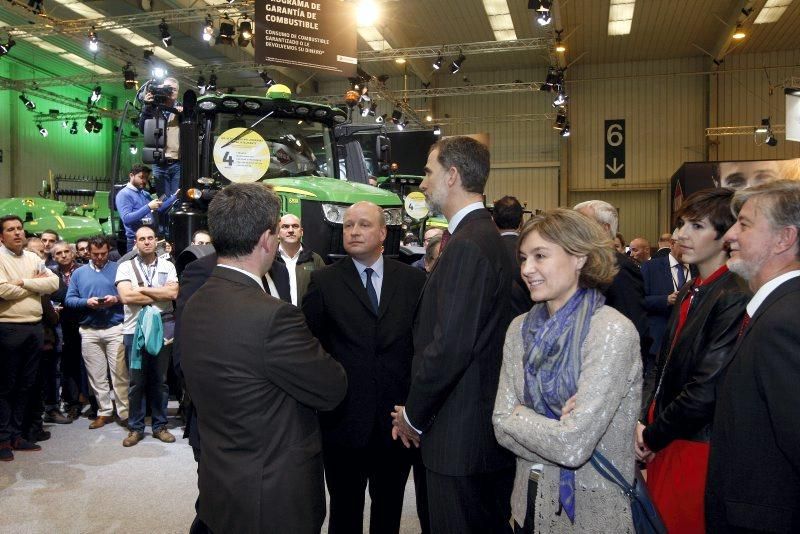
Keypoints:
(69, 227)
(331, 190)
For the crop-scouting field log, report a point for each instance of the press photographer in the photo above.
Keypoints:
(159, 101)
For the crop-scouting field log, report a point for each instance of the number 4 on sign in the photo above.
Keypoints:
(615, 168)
(227, 158)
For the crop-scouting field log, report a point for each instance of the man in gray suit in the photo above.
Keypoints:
(257, 377)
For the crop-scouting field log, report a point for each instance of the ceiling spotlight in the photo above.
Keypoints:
(561, 120)
(166, 37)
(133, 149)
(93, 40)
(64, 124)
(367, 14)
(92, 124)
(765, 126)
(159, 73)
(561, 99)
(560, 46)
(565, 131)
(555, 78)
(372, 109)
(364, 110)
(245, 32)
(130, 76)
(42, 130)
(771, 140)
(201, 84)
(438, 63)
(429, 118)
(95, 96)
(380, 119)
(396, 116)
(208, 29)
(739, 33)
(226, 31)
(212, 82)
(4, 48)
(268, 81)
(73, 130)
(455, 66)
(437, 130)
(36, 6)
(402, 125)
(27, 101)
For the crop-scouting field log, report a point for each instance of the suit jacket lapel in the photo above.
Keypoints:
(353, 281)
(388, 286)
(786, 287)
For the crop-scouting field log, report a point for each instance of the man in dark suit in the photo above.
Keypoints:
(361, 309)
(664, 246)
(753, 479)
(626, 292)
(257, 377)
(507, 214)
(459, 330)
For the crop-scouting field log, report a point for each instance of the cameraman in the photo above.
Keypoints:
(160, 102)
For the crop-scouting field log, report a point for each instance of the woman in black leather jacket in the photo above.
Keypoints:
(699, 342)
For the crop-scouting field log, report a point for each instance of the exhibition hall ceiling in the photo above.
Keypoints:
(659, 29)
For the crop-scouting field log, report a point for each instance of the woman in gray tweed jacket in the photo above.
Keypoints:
(571, 382)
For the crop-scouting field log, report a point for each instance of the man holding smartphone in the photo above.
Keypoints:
(136, 207)
(92, 291)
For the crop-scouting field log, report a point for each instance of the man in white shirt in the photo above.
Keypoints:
(753, 472)
(300, 262)
(146, 280)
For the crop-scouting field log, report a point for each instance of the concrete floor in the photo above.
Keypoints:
(85, 481)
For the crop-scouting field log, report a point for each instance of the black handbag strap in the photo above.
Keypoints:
(607, 470)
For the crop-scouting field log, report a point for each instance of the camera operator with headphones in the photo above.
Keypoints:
(160, 102)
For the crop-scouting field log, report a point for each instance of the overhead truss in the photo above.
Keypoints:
(484, 47)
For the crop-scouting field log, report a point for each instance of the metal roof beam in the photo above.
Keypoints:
(483, 47)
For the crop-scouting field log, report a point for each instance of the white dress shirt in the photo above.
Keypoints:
(453, 223)
(291, 266)
(377, 275)
(765, 290)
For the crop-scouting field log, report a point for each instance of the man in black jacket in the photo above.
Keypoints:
(361, 309)
(507, 215)
(754, 467)
(459, 331)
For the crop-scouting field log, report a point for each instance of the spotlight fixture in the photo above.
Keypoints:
(364, 110)
(428, 118)
(561, 99)
(166, 37)
(437, 130)
(159, 73)
(560, 48)
(208, 29)
(765, 126)
(554, 80)
(739, 33)
(42, 130)
(245, 32)
(565, 131)
(92, 124)
(36, 6)
(396, 116)
(268, 81)
(133, 149)
(402, 125)
(95, 96)
(93, 40)
(73, 130)
(380, 119)
(212, 82)
(455, 66)
(438, 63)
(561, 120)
(542, 10)
(372, 109)
(201, 84)
(771, 140)
(226, 31)
(64, 124)
(28, 102)
(544, 18)
(4, 48)
(129, 75)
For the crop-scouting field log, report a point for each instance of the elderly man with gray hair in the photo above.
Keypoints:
(626, 292)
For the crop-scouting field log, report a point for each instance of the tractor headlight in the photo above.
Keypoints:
(334, 213)
(393, 216)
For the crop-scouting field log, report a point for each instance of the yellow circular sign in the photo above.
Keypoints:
(241, 156)
(416, 207)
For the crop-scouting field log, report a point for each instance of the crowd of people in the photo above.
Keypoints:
(500, 370)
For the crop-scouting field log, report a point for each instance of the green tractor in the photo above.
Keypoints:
(40, 214)
(307, 152)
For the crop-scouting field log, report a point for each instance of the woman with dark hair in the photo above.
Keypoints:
(697, 348)
(619, 243)
(570, 384)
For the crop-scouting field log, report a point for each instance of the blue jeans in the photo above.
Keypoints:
(168, 180)
(148, 385)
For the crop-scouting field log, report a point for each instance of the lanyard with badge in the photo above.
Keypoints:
(148, 271)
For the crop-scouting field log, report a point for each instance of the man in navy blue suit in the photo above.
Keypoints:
(663, 277)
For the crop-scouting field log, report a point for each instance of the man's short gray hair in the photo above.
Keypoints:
(779, 201)
(604, 213)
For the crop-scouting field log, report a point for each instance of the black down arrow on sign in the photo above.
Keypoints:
(615, 149)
